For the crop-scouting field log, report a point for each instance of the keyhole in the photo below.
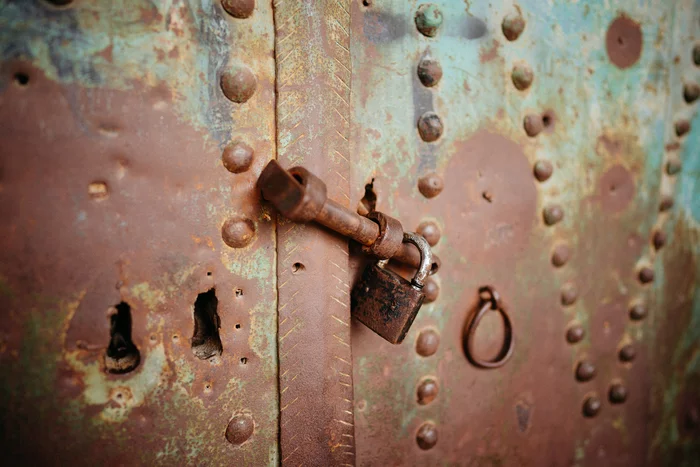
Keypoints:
(121, 356)
(206, 342)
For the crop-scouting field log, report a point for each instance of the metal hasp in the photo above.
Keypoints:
(300, 196)
(386, 302)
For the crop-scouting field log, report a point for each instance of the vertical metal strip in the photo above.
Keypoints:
(312, 44)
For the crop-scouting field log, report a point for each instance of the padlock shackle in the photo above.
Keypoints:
(426, 257)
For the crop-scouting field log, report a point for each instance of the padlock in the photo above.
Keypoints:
(386, 302)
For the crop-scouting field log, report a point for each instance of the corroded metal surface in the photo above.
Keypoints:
(313, 130)
(541, 156)
(154, 312)
(113, 189)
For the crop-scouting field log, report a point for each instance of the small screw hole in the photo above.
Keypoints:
(238, 326)
(208, 273)
(244, 360)
(21, 78)
(298, 267)
(239, 293)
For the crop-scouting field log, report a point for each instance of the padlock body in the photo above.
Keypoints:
(386, 303)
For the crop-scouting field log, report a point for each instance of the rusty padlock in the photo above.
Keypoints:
(386, 302)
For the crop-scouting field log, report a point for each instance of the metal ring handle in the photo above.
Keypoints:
(493, 303)
(426, 257)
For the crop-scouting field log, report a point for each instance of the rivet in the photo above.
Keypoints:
(666, 203)
(691, 92)
(646, 275)
(627, 353)
(569, 294)
(239, 8)
(430, 231)
(431, 289)
(428, 19)
(543, 170)
(426, 436)
(591, 406)
(560, 255)
(659, 239)
(533, 125)
(553, 214)
(696, 55)
(429, 127)
(522, 77)
(513, 25)
(673, 166)
(638, 312)
(427, 342)
(427, 391)
(98, 191)
(239, 429)
(430, 185)
(237, 157)
(617, 393)
(585, 371)
(238, 84)
(238, 232)
(575, 334)
(682, 127)
(429, 72)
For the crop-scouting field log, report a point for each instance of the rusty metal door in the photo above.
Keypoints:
(156, 311)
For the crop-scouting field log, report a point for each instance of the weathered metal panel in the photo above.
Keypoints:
(113, 190)
(607, 133)
(315, 360)
(547, 149)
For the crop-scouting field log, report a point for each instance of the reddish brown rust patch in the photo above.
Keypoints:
(500, 229)
(624, 41)
(615, 189)
(491, 53)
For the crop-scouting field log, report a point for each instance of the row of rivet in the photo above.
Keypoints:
(428, 20)
(238, 84)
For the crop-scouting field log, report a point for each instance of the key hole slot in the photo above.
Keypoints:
(206, 342)
(121, 356)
